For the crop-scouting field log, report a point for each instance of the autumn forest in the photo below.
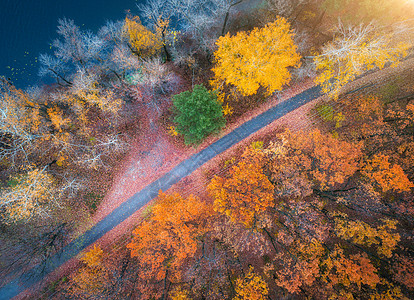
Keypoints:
(318, 204)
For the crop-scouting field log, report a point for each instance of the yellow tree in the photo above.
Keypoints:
(362, 233)
(169, 237)
(251, 287)
(93, 276)
(19, 115)
(257, 58)
(28, 195)
(246, 192)
(353, 52)
(141, 40)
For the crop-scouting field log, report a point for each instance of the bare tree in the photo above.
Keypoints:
(204, 19)
(285, 8)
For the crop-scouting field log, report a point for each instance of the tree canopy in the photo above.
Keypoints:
(257, 58)
(198, 114)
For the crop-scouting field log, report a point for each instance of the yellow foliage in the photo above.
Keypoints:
(227, 110)
(93, 96)
(60, 161)
(56, 117)
(143, 41)
(172, 131)
(93, 277)
(179, 294)
(353, 53)
(391, 293)
(257, 58)
(19, 115)
(251, 287)
(362, 233)
(28, 194)
(93, 257)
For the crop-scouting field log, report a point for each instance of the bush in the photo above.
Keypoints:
(198, 114)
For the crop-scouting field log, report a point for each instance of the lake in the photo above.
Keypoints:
(27, 27)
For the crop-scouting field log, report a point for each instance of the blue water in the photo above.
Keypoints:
(27, 27)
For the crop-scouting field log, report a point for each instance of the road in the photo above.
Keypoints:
(141, 198)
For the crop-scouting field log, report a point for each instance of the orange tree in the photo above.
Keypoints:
(169, 237)
(246, 192)
(301, 161)
(257, 58)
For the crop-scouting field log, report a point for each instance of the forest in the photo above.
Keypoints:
(317, 206)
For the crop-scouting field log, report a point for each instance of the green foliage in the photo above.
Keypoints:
(12, 182)
(390, 90)
(92, 200)
(327, 113)
(198, 114)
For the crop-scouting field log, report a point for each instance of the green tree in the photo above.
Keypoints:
(198, 113)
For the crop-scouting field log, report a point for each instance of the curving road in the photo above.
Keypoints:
(141, 198)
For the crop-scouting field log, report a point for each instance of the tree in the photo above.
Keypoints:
(19, 120)
(93, 278)
(157, 13)
(362, 233)
(251, 287)
(142, 41)
(304, 160)
(355, 270)
(170, 236)
(257, 58)
(379, 171)
(77, 47)
(298, 266)
(89, 93)
(198, 114)
(205, 20)
(354, 51)
(246, 193)
(28, 195)
(284, 8)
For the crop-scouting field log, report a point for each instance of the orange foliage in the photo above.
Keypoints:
(246, 192)
(301, 158)
(93, 277)
(379, 170)
(169, 236)
(300, 267)
(341, 270)
(404, 271)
